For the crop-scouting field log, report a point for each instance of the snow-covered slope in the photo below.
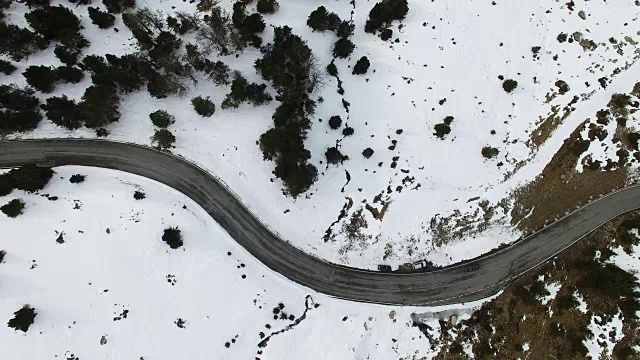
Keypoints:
(446, 62)
(110, 279)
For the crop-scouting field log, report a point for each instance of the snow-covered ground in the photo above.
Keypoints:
(446, 62)
(111, 277)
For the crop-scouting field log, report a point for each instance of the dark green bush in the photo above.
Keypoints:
(54, 23)
(384, 13)
(173, 237)
(490, 152)
(332, 69)
(7, 67)
(164, 138)
(203, 106)
(361, 67)
(13, 208)
(334, 156)
(343, 48)
(41, 78)
(267, 6)
(67, 55)
(103, 19)
(69, 74)
(18, 43)
(63, 111)
(30, 178)
(138, 195)
(100, 106)
(23, 318)
(19, 109)
(161, 118)
(442, 130)
(243, 91)
(77, 178)
(335, 122)
(322, 20)
(118, 6)
(509, 85)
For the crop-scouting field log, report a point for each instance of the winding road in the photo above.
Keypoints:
(445, 286)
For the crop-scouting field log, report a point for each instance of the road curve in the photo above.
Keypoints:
(445, 286)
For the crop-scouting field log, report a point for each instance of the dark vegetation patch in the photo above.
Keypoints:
(267, 6)
(6, 67)
(161, 118)
(384, 13)
(13, 208)
(19, 109)
(509, 85)
(444, 128)
(203, 106)
(243, 91)
(77, 178)
(489, 152)
(30, 178)
(173, 237)
(23, 318)
(164, 139)
(292, 69)
(557, 329)
(362, 66)
(102, 19)
(138, 195)
(335, 122)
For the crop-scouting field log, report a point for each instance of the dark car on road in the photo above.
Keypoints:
(472, 267)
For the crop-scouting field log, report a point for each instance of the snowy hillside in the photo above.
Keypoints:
(445, 59)
(105, 286)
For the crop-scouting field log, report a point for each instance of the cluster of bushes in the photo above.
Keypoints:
(444, 128)
(102, 19)
(13, 208)
(45, 78)
(29, 178)
(267, 6)
(162, 137)
(224, 33)
(77, 178)
(243, 91)
(18, 43)
(383, 14)
(19, 109)
(6, 67)
(118, 6)
(248, 27)
(322, 20)
(58, 23)
(100, 106)
(292, 69)
(217, 71)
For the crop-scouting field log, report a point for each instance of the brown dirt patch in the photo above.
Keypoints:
(555, 330)
(560, 188)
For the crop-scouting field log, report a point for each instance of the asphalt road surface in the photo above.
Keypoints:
(446, 286)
